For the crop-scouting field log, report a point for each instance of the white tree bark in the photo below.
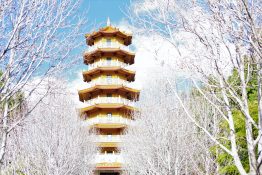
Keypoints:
(163, 140)
(36, 40)
(52, 140)
(211, 39)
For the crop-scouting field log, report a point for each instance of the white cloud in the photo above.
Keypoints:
(189, 54)
(39, 88)
(156, 55)
(152, 53)
(142, 6)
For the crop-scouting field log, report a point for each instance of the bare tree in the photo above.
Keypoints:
(163, 140)
(36, 39)
(213, 39)
(53, 140)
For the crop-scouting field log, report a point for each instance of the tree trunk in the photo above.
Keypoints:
(248, 123)
(251, 148)
(234, 149)
(4, 134)
(259, 81)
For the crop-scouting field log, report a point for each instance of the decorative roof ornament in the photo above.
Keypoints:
(108, 22)
(108, 31)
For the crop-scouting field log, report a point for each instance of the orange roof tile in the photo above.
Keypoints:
(86, 93)
(117, 69)
(107, 32)
(128, 57)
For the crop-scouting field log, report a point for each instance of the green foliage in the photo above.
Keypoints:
(15, 100)
(20, 172)
(224, 160)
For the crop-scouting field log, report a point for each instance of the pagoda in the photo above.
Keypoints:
(108, 100)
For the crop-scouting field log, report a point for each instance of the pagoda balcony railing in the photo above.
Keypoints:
(107, 138)
(109, 45)
(109, 100)
(104, 119)
(104, 63)
(109, 158)
(107, 81)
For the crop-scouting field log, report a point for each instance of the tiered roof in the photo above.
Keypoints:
(97, 107)
(108, 31)
(88, 93)
(128, 57)
(87, 75)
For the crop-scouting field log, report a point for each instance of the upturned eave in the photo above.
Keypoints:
(108, 31)
(87, 75)
(89, 57)
(85, 94)
(118, 106)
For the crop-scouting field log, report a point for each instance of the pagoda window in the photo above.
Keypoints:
(109, 95)
(109, 136)
(108, 78)
(109, 116)
(108, 42)
(108, 60)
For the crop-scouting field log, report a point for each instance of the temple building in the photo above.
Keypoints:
(108, 100)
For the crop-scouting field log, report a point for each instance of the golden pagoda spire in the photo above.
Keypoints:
(108, 22)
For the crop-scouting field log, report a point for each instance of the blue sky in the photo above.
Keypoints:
(99, 10)
(97, 13)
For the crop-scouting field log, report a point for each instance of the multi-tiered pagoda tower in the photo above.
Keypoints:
(108, 99)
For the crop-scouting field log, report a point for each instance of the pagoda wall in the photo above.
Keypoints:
(104, 39)
(112, 59)
(104, 114)
(103, 76)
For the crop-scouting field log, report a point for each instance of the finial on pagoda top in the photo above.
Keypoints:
(108, 22)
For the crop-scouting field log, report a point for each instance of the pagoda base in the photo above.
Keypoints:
(108, 172)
